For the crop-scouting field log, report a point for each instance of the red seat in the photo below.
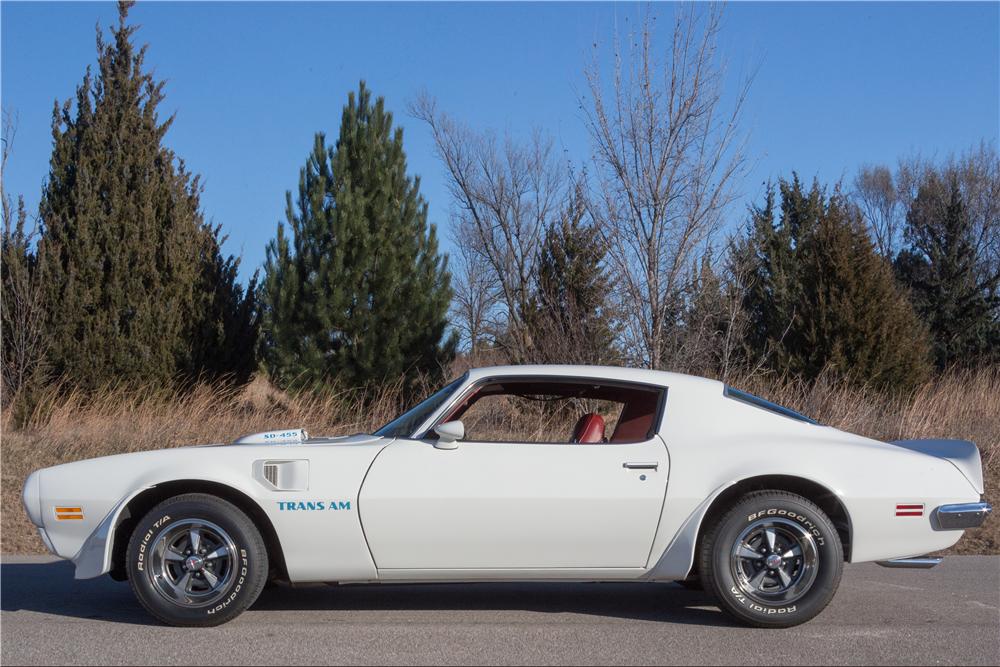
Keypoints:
(589, 428)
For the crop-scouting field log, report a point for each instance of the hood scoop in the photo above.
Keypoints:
(292, 436)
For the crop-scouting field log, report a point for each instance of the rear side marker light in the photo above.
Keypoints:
(68, 513)
(909, 510)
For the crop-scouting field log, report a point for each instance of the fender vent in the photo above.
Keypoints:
(271, 473)
(282, 475)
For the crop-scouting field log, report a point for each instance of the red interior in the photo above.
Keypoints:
(636, 421)
(589, 428)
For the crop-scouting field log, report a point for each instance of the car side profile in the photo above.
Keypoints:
(526, 473)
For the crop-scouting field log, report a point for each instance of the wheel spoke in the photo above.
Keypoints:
(170, 554)
(210, 577)
(747, 552)
(771, 537)
(758, 578)
(785, 579)
(185, 583)
(793, 552)
(195, 537)
(221, 552)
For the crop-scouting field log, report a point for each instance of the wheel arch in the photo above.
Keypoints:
(137, 507)
(813, 491)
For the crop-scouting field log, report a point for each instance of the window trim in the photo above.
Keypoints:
(761, 404)
(466, 392)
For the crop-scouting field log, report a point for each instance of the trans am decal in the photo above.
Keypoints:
(323, 505)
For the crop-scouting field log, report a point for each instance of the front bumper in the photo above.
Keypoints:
(960, 517)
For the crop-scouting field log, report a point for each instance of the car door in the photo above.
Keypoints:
(514, 505)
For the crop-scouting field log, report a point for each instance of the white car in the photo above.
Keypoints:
(527, 473)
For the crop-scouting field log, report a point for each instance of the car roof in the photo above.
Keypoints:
(644, 376)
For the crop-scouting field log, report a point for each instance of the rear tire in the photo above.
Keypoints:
(773, 561)
(196, 560)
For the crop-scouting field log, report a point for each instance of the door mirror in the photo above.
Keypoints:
(449, 434)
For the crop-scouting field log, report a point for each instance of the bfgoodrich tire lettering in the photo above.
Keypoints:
(196, 560)
(773, 560)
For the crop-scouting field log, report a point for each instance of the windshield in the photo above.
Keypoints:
(404, 426)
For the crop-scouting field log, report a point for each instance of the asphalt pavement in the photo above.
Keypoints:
(946, 615)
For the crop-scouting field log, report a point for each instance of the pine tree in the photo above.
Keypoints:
(939, 267)
(822, 298)
(133, 280)
(568, 317)
(359, 294)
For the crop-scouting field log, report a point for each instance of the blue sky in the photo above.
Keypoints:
(840, 84)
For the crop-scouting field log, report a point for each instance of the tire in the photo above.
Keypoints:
(773, 561)
(196, 560)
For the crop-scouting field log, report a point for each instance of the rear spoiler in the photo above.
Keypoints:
(963, 454)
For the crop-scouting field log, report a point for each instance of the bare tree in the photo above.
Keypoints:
(978, 175)
(876, 196)
(477, 293)
(671, 157)
(22, 317)
(504, 191)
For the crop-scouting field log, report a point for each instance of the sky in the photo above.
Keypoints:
(840, 84)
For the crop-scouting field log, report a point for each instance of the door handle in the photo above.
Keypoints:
(649, 465)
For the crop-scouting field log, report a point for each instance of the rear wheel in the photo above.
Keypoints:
(196, 560)
(774, 560)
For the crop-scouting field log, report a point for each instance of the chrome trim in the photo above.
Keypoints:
(918, 563)
(960, 517)
(649, 465)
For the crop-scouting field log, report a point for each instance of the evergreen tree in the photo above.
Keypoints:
(822, 299)
(133, 280)
(359, 294)
(568, 318)
(939, 267)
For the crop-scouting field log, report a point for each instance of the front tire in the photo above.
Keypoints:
(773, 561)
(196, 560)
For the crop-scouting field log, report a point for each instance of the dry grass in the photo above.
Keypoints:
(72, 427)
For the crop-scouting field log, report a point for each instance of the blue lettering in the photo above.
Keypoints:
(345, 506)
(281, 506)
(311, 506)
(319, 506)
(302, 506)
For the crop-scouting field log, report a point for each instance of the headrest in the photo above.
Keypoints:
(589, 428)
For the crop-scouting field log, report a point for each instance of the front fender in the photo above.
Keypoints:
(94, 558)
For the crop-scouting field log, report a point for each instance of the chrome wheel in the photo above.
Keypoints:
(192, 563)
(774, 561)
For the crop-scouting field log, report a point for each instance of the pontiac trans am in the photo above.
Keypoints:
(527, 473)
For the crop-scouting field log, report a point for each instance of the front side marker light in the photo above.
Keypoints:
(68, 513)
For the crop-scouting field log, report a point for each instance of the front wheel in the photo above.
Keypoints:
(196, 560)
(774, 560)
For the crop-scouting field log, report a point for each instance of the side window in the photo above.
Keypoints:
(550, 419)
(556, 411)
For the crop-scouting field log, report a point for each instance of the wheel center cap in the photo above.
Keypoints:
(194, 563)
(774, 561)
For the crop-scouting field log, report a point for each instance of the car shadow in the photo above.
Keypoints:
(665, 603)
(49, 588)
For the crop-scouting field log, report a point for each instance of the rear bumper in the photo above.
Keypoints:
(960, 517)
